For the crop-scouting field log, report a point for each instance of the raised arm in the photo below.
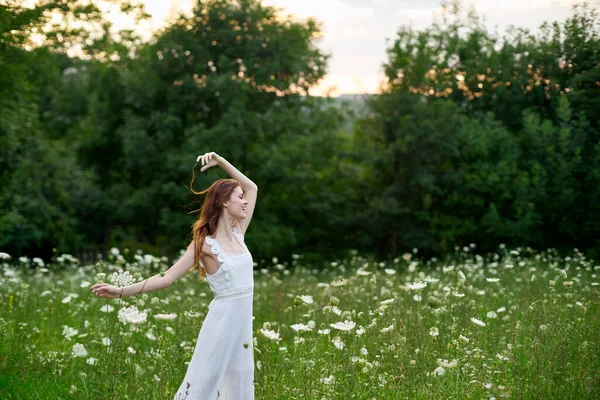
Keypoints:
(250, 188)
(155, 282)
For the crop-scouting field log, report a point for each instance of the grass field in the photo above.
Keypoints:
(516, 324)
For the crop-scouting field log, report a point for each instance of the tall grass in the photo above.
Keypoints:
(516, 324)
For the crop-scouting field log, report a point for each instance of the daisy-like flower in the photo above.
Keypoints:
(167, 317)
(360, 331)
(446, 363)
(492, 314)
(492, 280)
(434, 331)
(324, 331)
(4, 256)
(270, 334)
(67, 299)
(464, 339)
(106, 341)
(390, 271)
(337, 342)
(387, 329)
(132, 315)
(501, 357)
(563, 273)
(85, 284)
(344, 326)
(339, 282)
(362, 272)
(477, 322)
(416, 285)
(389, 301)
(306, 299)
(79, 350)
(107, 308)
(121, 279)
(91, 361)
(69, 332)
(439, 371)
(328, 380)
(301, 327)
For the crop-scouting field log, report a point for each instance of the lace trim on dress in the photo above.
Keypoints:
(216, 249)
(236, 293)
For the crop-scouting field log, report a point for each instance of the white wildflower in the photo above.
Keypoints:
(69, 332)
(477, 322)
(337, 342)
(79, 350)
(439, 371)
(107, 308)
(300, 327)
(132, 315)
(167, 317)
(339, 282)
(344, 326)
(563, 273)
(434, 331)
(328, 380)
(389, 301)
(270, 334)
(306, 299)
(446, 363)
(121, 279)
(416, 285)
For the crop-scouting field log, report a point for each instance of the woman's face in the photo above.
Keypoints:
(237, 203)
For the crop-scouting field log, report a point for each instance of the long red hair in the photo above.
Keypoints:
(210, 212)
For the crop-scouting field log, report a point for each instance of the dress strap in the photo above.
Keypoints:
(216, 249)
(238, 235)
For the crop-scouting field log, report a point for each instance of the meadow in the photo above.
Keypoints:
(515, 324)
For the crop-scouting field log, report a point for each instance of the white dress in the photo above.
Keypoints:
(222, 366)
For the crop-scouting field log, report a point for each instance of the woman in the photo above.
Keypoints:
(222, 366)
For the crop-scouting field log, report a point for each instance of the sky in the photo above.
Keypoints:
(356, 31)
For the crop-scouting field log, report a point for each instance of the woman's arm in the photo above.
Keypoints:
(156, 282)
(250, 188)
(212, 159)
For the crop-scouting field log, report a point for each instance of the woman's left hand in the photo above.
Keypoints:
(208, 160)
(106, 290)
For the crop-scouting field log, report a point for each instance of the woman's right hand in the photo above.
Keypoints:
(208, 160)
(106, 290)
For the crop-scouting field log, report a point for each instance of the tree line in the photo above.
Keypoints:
(475, 138)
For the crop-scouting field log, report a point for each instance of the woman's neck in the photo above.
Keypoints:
(224, 228)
